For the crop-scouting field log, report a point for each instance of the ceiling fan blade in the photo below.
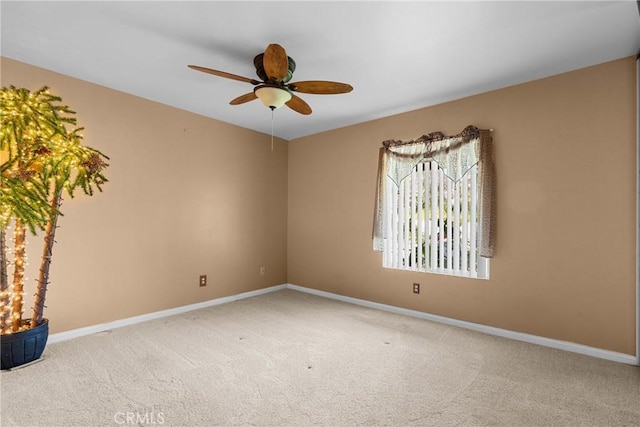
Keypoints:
(297, 104)
(276, 64)
(320, 87)
(224, 74)
(244, 98)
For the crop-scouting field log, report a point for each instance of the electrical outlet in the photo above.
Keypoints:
(203, 280)
(263, 271)
(416, 288)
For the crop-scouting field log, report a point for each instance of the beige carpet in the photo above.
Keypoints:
(292, 359)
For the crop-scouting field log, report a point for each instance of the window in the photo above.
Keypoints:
(434, 211)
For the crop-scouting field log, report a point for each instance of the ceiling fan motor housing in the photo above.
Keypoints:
(259, 64)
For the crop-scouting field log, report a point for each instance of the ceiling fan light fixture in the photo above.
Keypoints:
(272, 97)
(275, 70)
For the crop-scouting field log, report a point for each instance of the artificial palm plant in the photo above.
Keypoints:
(42, 159)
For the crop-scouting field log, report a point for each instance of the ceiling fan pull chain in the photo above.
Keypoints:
(272, 128)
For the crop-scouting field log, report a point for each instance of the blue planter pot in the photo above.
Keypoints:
(24, 346)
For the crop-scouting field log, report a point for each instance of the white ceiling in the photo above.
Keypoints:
(398, 56)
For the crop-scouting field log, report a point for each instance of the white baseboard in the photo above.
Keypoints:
(80, 332)
(519, 336)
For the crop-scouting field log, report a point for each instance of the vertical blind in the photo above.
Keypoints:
(435, 205)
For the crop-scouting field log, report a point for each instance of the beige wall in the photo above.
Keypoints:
(187, 195)
(565, 161)
(190, 195)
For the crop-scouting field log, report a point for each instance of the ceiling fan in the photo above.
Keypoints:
(275, 70)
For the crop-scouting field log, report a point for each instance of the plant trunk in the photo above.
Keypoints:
(45, 262)
(5, 312)
(19, 257)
